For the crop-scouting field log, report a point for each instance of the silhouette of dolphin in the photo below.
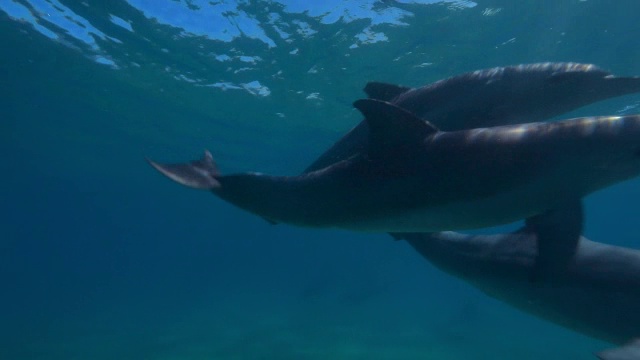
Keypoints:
(416, 178)
(490, 97)
(598, 294)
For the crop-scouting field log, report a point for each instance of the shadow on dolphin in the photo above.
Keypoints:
(490, 97)
(598, 294)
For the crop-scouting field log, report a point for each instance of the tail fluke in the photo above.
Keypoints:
(198, 174)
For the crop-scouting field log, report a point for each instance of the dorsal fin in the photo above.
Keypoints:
(384, 91)
(390, 127)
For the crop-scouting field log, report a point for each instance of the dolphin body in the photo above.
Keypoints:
(490, 97)
(598, 294)
(502, 95)
(414, 178)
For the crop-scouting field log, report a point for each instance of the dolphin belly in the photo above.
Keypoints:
(502, 207)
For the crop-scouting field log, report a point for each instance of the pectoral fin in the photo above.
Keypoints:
(558, 232)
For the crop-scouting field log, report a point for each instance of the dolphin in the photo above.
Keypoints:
(598, 294)
(415, 178)
(490, 97)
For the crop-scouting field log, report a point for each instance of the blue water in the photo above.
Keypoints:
(102, 258)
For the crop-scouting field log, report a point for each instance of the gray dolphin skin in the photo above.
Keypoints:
(491, 97)
(414, 178)
(598, 294)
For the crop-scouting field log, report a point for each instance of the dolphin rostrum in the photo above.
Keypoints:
(414, 178)
(598, 294)
(490, 97)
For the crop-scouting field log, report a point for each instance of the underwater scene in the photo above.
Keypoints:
(344, 142)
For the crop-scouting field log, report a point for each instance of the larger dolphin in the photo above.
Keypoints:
(598, 294)
(490, 97)
(416, 178)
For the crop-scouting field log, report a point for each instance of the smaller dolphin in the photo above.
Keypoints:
(598, 294)
(415, 178)
(490, 97)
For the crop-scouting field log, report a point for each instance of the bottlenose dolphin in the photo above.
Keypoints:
(414, 178)
(598, 294)
(490, 97)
